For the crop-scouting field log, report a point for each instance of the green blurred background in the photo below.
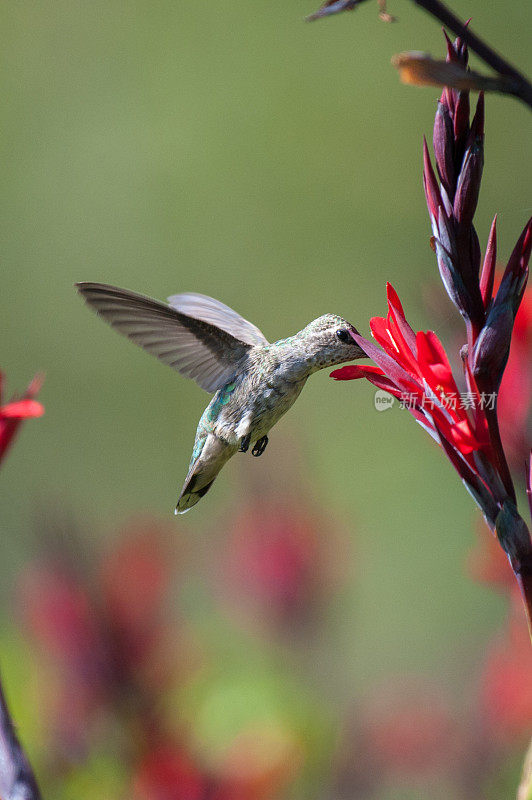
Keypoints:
(232, 149)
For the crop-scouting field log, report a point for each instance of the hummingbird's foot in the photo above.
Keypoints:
(260, 446)
(244, 443)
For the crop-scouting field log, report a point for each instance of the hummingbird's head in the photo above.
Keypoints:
(328, 341)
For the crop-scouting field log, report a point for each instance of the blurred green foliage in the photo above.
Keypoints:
(231, 149)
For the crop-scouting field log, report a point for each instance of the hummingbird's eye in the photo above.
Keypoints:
(342, 334)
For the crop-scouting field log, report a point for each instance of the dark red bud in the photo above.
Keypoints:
(474, 261)
(513, 283)
(452, 280)
(477, 125)
(451, 53)
(493, 344)
(518, 261)
(444, 149)
(468, 186)
(461, 48)
(461, 123)
(432, 190)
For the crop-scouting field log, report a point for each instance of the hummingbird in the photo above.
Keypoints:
(254, 382)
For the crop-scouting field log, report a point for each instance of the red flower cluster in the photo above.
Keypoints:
(117, 664)
(16, 410)
(415, 369)
(104, 632)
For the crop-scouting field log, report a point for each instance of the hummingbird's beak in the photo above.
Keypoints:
(361, 353)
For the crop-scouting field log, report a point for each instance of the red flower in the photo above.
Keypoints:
(168, 773)
(506, 683)
(279, 564)
(415, 369)
(12, 414)
(103, 627)
(409, 727)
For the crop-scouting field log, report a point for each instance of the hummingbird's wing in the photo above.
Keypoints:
(210, 310)
(195, 346)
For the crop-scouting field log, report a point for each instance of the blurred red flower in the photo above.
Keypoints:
(18, 409)
(168, 773)
(115, 664)
(515, 395)
(415, 369)
(280, 560)
(409, 728)
(103, 627)
(506, 683)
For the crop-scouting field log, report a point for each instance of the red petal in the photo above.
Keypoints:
(384, 383)
(408, 356)
(395, 335)
(21, 409)
(351, 372)
(380, 332)
(434, 364)
(373, 374)
(388, 335)
(433, 351)
(393, 299)
(462, 437)
(396, 311)
(458, 434)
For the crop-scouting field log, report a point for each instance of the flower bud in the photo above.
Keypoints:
(492, 347)
(443, 142)
(493, 344)
(468, 186)
(447, 264)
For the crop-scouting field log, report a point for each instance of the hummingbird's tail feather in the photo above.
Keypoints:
(189, 498)
(203, 471)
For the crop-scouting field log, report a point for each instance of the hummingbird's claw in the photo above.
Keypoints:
(244, 444)
(260, 446)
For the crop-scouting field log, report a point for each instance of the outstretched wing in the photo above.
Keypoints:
(195, 346)
(199, 306)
